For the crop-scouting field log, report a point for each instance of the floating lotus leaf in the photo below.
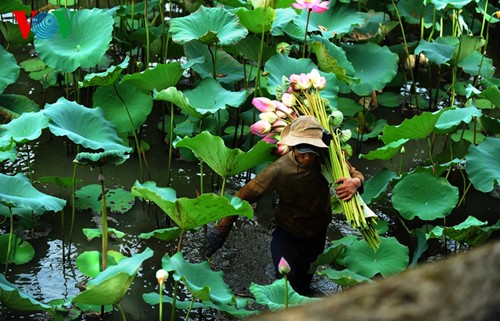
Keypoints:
(344, 278)
(483, 164)
(116, 157)
(10, 154)
(418, 127)
(273, 295)
(88, 39)
(28, 127)
(390, 258)
(61, 181)
(442, 4)
(164, 234)
(208, 26)
(226, 161)
(89, 262)
(258, 20)
(21, 251)
(424, 196)
(17, 191)
(191, 213)
(377, 185)
(105, 78)
(158, 78)
(387, 151)
(471, 231)
(90, 197)
(84, 126)
(112, 284)
(92, 233)
(116, 100)
(337, 20)
(175, 96)
(9, 67)
(451, 118)
(374, 66)
(13, 299)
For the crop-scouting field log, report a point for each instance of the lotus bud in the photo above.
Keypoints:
(161, 275)
(281, 149)
(403, 150)
(271, 138)
(345, 135)
(263, 104)
(283, 266)
(258, 3)
(101, 178)
(283, 108)
(269, 116)
(279, 125)
(288, 99)
(336, 118)
(260, 128)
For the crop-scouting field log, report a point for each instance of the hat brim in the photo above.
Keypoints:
(290, 140)
(305, 148)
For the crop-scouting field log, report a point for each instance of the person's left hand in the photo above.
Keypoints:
(347, 188)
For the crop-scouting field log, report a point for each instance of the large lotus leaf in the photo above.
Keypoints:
(9, 67)
(332, 58)
(467, 46)
(490, 15)
(21, 251)
(9, 154)
(7, 6)
(164, 234)
(344, 278)
(390, 258)
(250, 48)
(226, 161)
(84, 126)
(456, 4)
(17, 191)
(336, 21)
(89, 262)
(27, 127)
(227, 69)
(203, 283)
(158, 78)
(112, 284)
(439, 51)
(258, 20)
(120, 100)
(191, 213)
(471, 231)
(424, 196)
(116, 157)
(334, 254)
(208, 26)
(451, 118)
(375, 66)
(12, 106)
(492, 93)
(273, 295)
(153, 298)
(387, 151)
(281, 65)
(89, 197)
(79, 45)
(175, 96)
(105, 78)
(477, 64)
(209, 97)
(376, 186)
(411, 11)
(483, 164)
(283, 17)
(418, 127)
(13, 299)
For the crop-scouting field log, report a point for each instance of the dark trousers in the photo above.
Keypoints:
(299, 253)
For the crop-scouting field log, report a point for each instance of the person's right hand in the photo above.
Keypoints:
(215, 240)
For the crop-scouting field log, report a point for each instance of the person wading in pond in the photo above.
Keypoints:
(303, 212)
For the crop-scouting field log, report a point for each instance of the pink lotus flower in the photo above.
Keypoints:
(282, 110)
(311, 5)
(281, 149)
(269, 116)
(283, 266)
(271, 138)
(300, 82)
(263, 104)
(318, 81)
(279, 125)
(288, 99)
(260, 128)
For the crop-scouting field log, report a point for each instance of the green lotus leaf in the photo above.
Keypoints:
(442, 4)
(17, 191)
(164, 234)
(89, 197)
(344, 278)
(424, 196)
(372, 76)
(226, 161)
(10, 154)
(376, 27)
(376, 186)
(332, 58)
(387, 151)
(250, 48)
(12, 106)
(390, 258)
(9, 67)
(7, 6)
(61, 181)
(14, 299)
(348, 107)
(21, 251)
(418, 127)
(158, 78)
(209, 97)
(175, 96)
(477, 64)
(365, 122)
(281, 65)
(273, 295)
(28, 127)
(227, 69)
(33, 64)
(92, 233)
(471, 231)
(89, 262)
(153, 298)
(208, 26)
(337, 20)
(439, 51)
(492, 94)
(390, 99)
(483, 164)
(84, 126)
(334, 254)
(203, 283)
(258, 20)
(490, 10)
(467, 46)
(62, 2)
(105, 78)
(120, 100)
(411, 11)
(116, 157)
(191, 213)
(283, 18)
(451, 118)
(112, 284)
(89, 33)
